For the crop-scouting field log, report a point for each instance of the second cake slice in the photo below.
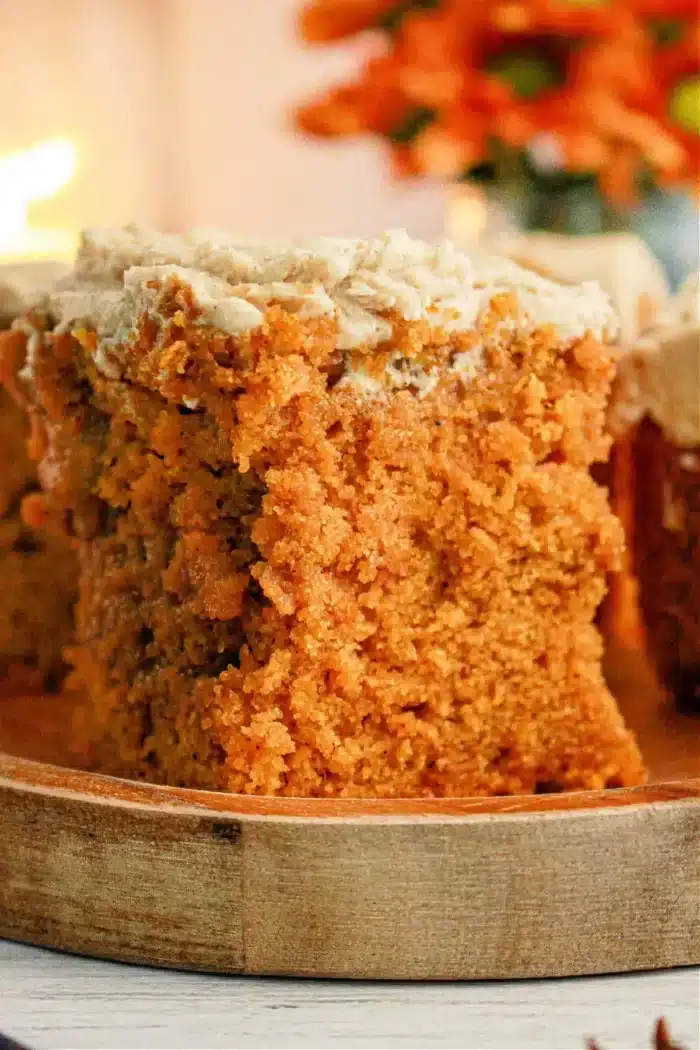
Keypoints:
(336, 526)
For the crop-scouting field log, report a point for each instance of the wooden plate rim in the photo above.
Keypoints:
(37, 777)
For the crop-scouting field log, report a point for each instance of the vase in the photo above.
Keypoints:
(565, 228)
(670, 224)
(666, 222)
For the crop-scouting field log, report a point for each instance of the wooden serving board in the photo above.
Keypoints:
(547, 885)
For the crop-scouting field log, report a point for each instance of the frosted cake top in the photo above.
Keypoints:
(660, 377)
(24, 284)
(358, 281)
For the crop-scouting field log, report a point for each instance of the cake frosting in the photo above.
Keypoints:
(625, 267)
(660, 377)
(23, 285)
(119, 275)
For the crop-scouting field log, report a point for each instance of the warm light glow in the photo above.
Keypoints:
(467, 216)
(26, 177)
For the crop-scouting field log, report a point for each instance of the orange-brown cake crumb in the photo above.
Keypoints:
(337, 531)
(37, 570)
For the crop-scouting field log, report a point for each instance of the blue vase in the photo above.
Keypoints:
(668, 221)
(670, 225)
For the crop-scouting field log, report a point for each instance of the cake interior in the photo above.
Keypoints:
(37, 572)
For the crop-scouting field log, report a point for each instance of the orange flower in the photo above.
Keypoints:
(403, 162)
(620, 64)
(585, 150)
(428, 52)
(565, 17)
(630, 127)
(437, 112)
(323, 21)
(375, 104)
(677, 103)
(664, 9)
(612, 85)
(608, 117)
(566, 131)
(619, 82)
(337, 114)
(618, 178)
(460, 139)
(535, 59)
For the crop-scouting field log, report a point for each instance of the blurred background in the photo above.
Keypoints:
(182, 113)
(178, 114)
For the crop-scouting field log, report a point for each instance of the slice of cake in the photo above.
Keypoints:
(657, 488)
(37, 570)
(337, 531)
(634, 280)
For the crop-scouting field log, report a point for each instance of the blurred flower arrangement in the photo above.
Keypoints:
(563, 99)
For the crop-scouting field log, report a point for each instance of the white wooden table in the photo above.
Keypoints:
(51, 1001)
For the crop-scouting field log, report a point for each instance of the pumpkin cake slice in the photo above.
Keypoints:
(336, 526)
(656, 414)
(37, 571)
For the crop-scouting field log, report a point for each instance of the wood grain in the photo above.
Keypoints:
(555, 885)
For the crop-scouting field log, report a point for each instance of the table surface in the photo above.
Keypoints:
(51, 1001)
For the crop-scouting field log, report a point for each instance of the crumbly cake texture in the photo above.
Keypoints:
(657, 488)
(37, 570)
(336, 526)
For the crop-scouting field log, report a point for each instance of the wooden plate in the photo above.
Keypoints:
(537, 886)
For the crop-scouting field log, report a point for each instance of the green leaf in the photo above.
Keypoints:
(412, 125)
(684, 104)
(391, 20)
(666, 31)
(529, 73)
(483, 174)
